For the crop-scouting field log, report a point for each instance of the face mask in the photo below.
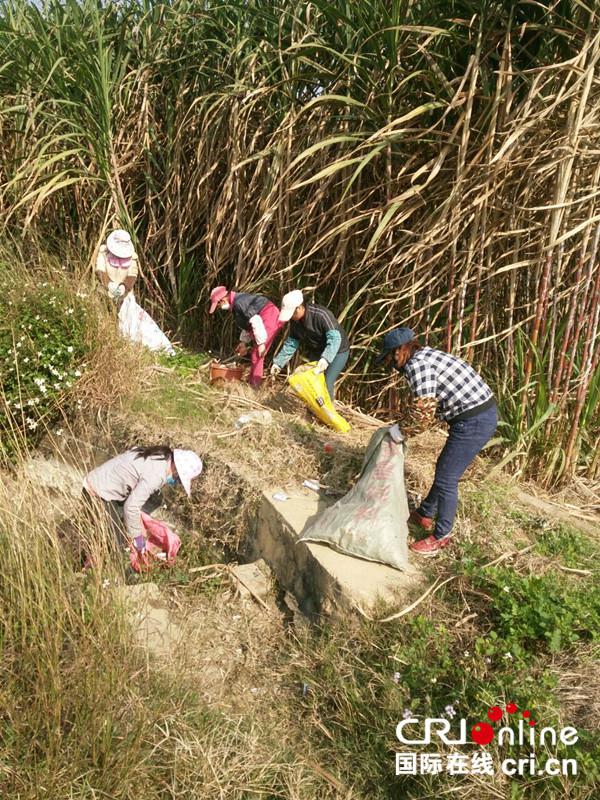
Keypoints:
(171, 481)
(225, 306)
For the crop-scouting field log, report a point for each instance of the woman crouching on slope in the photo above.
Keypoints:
(129, 483)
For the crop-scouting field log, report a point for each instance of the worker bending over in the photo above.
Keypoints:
(314, 329)
(445, 386)
(258, 320)
(128, 484)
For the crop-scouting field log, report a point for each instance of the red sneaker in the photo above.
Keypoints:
(425, 523)
(430, 546)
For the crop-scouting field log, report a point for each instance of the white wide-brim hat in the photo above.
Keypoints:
(119, 244)
(289, 303)
(188, 465)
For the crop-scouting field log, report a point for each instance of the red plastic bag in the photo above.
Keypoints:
(160, 535)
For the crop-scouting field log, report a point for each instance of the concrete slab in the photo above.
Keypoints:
(255, 579)
(151, 620)
(321, 579)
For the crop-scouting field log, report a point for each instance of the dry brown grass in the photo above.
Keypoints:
(115, 369)
(578, 689)
(425, 167)
(226, 739)
(75, 686)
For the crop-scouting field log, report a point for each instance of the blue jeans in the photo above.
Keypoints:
(332, 372)
(466, 439)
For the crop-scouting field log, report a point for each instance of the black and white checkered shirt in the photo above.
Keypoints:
(453, 382)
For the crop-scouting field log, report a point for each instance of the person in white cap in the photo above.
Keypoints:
(318, 331)
(117, 264)
(129, 483)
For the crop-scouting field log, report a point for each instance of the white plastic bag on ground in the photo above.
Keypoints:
(371, 521)
(137, 325)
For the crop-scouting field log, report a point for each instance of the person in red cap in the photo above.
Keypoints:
(258, 320)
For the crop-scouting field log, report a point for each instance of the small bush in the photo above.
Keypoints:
(530, 610)
(44, 341)
(573, 549)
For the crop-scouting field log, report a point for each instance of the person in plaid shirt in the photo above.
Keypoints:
(447, 388)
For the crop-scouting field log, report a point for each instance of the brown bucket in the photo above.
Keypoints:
(225, 372)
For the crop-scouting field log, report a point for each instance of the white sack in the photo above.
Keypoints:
(137, 325)
(371, 521)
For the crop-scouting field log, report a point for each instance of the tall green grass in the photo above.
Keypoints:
(426, 163)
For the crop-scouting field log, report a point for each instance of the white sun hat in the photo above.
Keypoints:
(188, 465)
(289, 304)
(119, 244)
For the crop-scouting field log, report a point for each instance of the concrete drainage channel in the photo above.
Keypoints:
(314, 579)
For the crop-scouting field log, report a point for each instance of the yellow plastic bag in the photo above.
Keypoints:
(312, 390)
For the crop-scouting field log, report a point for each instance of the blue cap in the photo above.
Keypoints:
(394, 339)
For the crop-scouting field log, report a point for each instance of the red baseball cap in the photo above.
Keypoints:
(217, 294)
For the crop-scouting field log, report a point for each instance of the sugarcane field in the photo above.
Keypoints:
(299, 400)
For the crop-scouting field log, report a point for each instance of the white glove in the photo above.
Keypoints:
(121, 289)
(275, 370)
(395, 433)
(261, 350)
(322, 365)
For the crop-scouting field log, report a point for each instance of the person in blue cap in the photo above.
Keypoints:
(448, 388)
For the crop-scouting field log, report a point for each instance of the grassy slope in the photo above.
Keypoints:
(84, 716)
(523, 630)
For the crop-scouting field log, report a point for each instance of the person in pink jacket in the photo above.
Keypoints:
(257, 318)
